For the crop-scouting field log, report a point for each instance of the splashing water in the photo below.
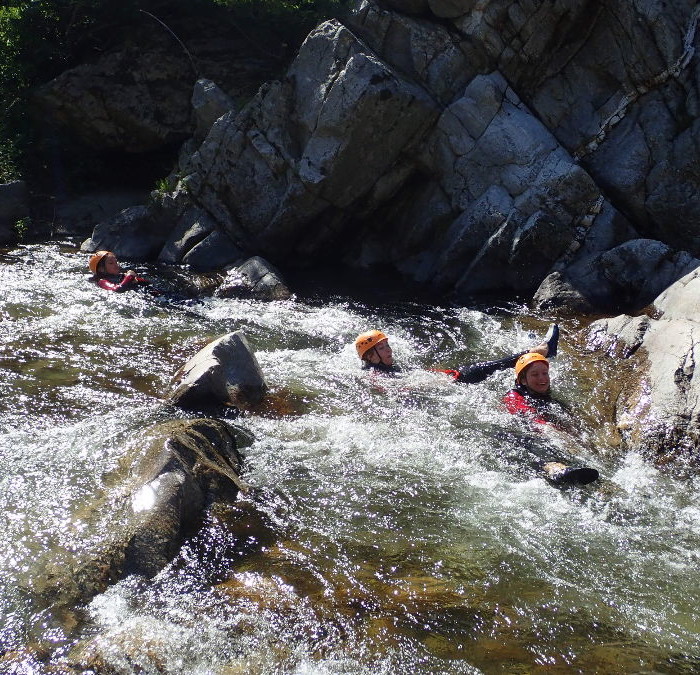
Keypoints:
(391, 528)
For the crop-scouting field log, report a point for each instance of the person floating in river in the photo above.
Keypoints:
(531, 396)
(108, 273)
(375, 353)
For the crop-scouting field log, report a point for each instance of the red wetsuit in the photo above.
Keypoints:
(519, 401)
(540, 408)
(120, 282)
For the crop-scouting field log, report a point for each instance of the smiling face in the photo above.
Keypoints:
(536, 377)
(110, 266)
(381, 353)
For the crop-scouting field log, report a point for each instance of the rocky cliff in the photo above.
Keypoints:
(502, 147)
(544, 150)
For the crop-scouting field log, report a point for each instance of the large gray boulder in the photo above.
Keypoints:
(625, 278)
(658, 404)
(191, 228)
(254, 278)
(215, 251)
(224, 373)
(136, 233)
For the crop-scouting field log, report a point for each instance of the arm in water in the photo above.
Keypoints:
(127, 282)
(478, 372)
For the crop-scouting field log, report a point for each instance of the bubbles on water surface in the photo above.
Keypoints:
(392, 527)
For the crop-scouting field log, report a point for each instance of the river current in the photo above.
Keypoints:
(391, 528)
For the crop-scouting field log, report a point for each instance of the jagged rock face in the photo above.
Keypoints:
(341, 135)
(309, 149)
(478, 146)
(658, 409)
(519, 195)
(617, 85)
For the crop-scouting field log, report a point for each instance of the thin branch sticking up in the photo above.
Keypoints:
(180, 42)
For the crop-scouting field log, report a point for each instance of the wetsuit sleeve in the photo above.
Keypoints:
(477, 372)
(124, 285)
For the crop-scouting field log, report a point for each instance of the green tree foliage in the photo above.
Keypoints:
(41, 38)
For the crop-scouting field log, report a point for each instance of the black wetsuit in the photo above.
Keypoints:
(469, 374)
(477, 372)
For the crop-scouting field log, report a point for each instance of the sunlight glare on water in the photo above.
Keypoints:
(392, 526)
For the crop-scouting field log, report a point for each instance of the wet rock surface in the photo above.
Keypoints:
(254, 278)
(657, 412)
(164, 486)
(224, 373)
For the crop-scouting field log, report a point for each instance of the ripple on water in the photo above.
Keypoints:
(392, 527)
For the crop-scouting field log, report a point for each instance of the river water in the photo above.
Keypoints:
(392, 526)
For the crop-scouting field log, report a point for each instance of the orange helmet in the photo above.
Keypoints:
(366, 341)
(527, 359)
(96, 259)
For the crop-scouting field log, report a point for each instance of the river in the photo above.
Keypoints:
(389, 529)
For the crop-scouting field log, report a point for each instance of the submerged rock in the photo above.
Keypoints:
(165, 484)
(224, 373)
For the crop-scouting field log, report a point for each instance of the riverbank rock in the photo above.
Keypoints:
(214, 252)
(14, 205)
(224, 373)
(255, 278)
(482, 150)
(658, 408)
(163, 487)
(625, 278)
(136, 233)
